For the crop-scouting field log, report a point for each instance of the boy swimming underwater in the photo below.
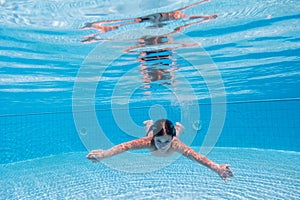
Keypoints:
(162, 140)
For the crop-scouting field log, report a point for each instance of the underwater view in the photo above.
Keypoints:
(149, 99)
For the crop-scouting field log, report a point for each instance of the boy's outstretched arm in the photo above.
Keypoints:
(98, 155)
(224, 170)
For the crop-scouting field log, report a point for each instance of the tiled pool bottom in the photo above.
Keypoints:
(259, 174)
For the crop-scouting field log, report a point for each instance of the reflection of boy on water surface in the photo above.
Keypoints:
(157, 19)
(156, 58)
(156, 66)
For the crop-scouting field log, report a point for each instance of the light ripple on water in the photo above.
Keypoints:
(251, 44)
(259, 174)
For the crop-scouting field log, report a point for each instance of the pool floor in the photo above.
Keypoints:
(259, 174)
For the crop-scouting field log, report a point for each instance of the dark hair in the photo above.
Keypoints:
(163, 127)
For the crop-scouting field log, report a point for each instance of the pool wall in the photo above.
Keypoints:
(257, 124)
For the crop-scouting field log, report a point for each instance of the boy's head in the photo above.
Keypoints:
(163, 133)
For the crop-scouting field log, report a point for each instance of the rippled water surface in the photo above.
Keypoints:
(254, 46)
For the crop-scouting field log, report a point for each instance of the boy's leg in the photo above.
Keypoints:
(148, 124)
(179, 129)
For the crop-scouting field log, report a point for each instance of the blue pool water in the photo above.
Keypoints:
(229, 74)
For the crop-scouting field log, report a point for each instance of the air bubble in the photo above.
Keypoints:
(197, 125)
(83, 131)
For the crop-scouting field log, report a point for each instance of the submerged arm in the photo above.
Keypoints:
(98, 155)
(223, 170)
(191, 154)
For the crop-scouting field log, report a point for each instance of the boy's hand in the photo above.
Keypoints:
(96, 155)
(225, 172)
